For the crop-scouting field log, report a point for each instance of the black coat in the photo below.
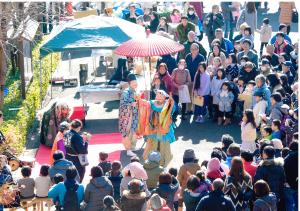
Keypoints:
(248, 76)
(272, 171)
(215, 201)
(291, 169)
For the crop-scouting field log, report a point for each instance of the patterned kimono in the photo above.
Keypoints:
(128, 115)
(157, 126)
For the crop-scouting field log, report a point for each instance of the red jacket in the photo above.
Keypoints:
(168, 82)
(250, 168)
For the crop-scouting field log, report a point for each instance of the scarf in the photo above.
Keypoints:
(280, 48)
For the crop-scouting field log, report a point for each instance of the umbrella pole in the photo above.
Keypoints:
(144, 74)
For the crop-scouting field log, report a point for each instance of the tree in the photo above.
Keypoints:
(14, 17)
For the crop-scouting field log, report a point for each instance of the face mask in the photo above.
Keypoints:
(191, 13)
(263, 68)
(181, 66)
(243, 63)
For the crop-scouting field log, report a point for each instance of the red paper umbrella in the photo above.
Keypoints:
(149, 45)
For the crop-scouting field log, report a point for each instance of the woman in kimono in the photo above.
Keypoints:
(155, 122)
(128, 115)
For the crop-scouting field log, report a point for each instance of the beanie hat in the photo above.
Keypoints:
(131, 77)
(277, 143)
(265, 61)
(213, 165)
(154, 156)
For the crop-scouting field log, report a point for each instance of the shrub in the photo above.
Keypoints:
(18, 123)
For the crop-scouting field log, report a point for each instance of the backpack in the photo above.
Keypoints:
(71, 199)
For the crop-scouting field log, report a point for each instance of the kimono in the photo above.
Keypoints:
(128, 118)
(157, 126)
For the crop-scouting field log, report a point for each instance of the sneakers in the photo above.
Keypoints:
(199, 119)
(130, 153)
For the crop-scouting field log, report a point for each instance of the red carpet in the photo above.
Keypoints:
(43, 153)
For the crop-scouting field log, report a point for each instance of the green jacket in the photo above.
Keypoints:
(182, 31)
(153, 170)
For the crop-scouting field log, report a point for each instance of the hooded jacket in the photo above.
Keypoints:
(95, 191)
(133, 202)
(277, 112)
(272, 171)
(268, 202)
(60, 167)
(153, 170)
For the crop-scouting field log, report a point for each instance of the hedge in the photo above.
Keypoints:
(17, 124)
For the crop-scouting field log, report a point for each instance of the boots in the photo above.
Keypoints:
(227, 121)
(220, 120)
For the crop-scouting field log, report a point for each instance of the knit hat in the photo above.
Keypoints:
(258, 93)
(213, 165)
(277, 143)
(248, 41)
(131, 77)
(108, 201)
(189, 154)
(154, 156)
(265, 61)
(156, 202)
(288, 64)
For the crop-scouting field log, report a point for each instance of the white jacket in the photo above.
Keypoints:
(248, 136)
(259, 109)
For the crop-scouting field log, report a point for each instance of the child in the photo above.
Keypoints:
(212, 69)
(248, 132)
(58, 178)
(174, 172)
(265, 34)
(260, 107)
(104, 163)
(110, 204)
(205, 184)
(225, 100)
(247, 95)
(115, 176)
(26, 184)
(266, 132)
(43, 182)
(215, 89)
(276, 129)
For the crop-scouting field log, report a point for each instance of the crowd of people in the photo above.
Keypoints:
(229, 83)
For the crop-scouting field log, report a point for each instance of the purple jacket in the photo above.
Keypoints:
(204, 84)
(61, 146)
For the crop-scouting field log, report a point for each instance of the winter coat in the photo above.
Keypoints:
(265, 33)
(182, 31)
(250, 168)
(247, 97)
(248, 76)
(266, 95)
(212, 24)
(168, 82)
(204, 88)
(133, 202)
(291, 169)
(258, 110)
(180, 77)
(249, 18)
(185, 171)
(116, 182)
(60, 167)
(232, 71)
(95, 191)
(272, 171)
(191, 199)
(286, 10)
(216, 201)
(248, 136)
(266, 203)
(193, 63)
(167, 192)
(153, 170)
(193, 19)
(276, 112)
(226, 46)
(59, 191)
(215, 89)
(225, 102)
(235, 190)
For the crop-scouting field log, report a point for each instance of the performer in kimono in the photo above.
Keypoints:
(155, 122)
(128, 115)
